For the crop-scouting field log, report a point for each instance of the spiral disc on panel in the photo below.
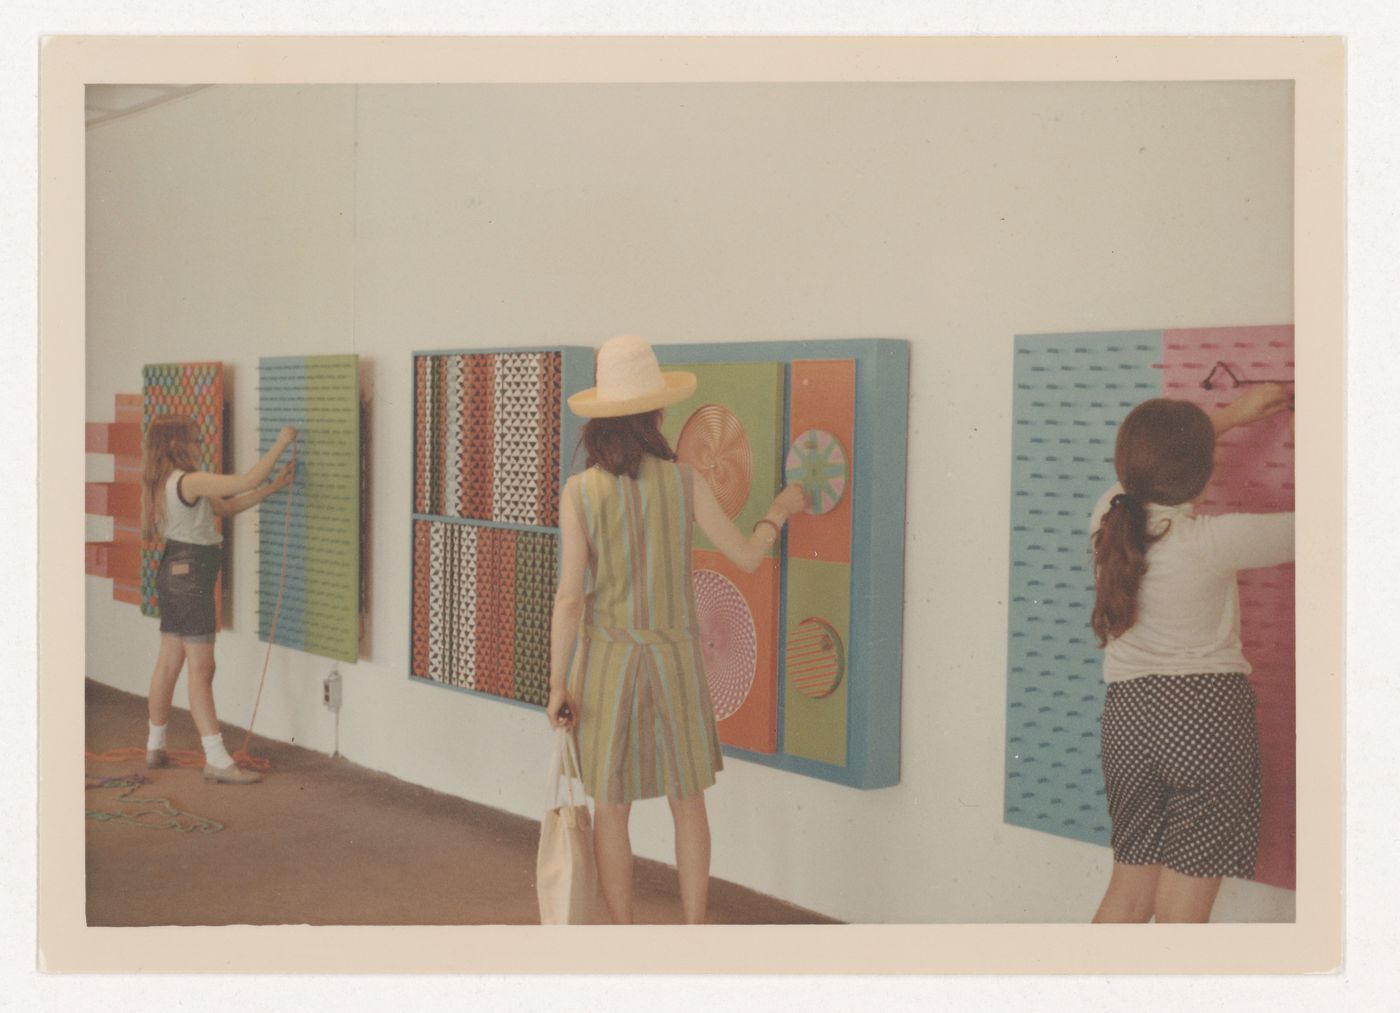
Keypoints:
(728, 640)
(714, 443)
(816, 659)
(818, 463)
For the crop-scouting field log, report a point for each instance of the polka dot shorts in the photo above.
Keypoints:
(1181, 768)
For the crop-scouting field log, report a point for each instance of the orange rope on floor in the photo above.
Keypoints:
(178, 757)
(243, 756)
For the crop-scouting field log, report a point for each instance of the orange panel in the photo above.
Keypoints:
(127, 470)
(129, 408)
(754, 726)
(113, 438)
(114, 559)
(119, 559)
(124, 438)
(125, 560)
(824, 397)
(128, 464)
(113, 499)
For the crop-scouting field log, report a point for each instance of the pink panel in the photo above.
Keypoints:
(1254, 474)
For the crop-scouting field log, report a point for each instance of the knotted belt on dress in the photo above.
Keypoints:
(628, 635)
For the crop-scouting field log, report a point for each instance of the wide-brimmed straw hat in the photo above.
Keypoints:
(630, 382)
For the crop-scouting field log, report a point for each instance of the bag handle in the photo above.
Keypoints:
(563, 756)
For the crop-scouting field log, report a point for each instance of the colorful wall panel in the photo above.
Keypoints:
(803, 655)
(837, 619)
(820, 431)
(491, 448)
(730, 432)
(483, 598)
(195, 389)
(487, 434)
(1071, 392)
(120, 559)
(320, 581)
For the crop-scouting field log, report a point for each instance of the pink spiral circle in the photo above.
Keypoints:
(728, 640)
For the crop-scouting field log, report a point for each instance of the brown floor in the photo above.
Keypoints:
(326, 842)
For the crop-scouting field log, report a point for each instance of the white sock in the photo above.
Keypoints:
(156, 738)
(215, 755)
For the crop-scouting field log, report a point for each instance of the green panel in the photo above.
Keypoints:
(332, 452)
(753, 391)
(320, 605)
(816, 728)
(536, 576)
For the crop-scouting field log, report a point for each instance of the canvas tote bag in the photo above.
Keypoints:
(565, 877)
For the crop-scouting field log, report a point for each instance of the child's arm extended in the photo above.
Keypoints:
(229, 506)
(207, 483)
(1245, 541)
(1257, 403)
(744, 551)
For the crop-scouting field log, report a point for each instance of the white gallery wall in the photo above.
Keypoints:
(243, 221)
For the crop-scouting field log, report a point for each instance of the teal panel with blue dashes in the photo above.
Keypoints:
(1072, 391)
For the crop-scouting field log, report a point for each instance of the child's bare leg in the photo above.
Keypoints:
(167, 672)
(692, 855)
(612, 849)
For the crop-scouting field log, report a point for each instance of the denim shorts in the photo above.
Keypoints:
(185, 590)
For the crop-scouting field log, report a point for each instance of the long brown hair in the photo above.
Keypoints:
(1164, 454)
(172, 442)
(618, 444)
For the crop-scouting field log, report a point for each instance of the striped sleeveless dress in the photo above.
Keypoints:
(646, 723)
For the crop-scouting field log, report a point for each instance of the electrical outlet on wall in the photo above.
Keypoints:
(330, 690)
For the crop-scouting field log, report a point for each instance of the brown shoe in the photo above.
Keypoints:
(157, 758)
(232, 774)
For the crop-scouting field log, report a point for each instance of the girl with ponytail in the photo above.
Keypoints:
(178, 505)
(1179, 742)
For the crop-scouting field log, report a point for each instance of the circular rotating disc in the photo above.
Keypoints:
(817, 461)
(816, 658)
(714, 443)
(728, 640)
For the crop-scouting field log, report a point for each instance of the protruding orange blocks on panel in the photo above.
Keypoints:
(109, 559)
(120, 559)
(121, 438)
(113, 499)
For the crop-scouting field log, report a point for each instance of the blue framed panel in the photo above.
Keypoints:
(575, 372)
(874, 657)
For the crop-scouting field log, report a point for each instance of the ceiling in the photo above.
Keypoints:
(106, 102)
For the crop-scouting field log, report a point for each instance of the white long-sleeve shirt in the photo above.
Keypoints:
(1188, 603)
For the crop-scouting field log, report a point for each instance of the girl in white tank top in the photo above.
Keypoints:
(188, 522)
(180, 504)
